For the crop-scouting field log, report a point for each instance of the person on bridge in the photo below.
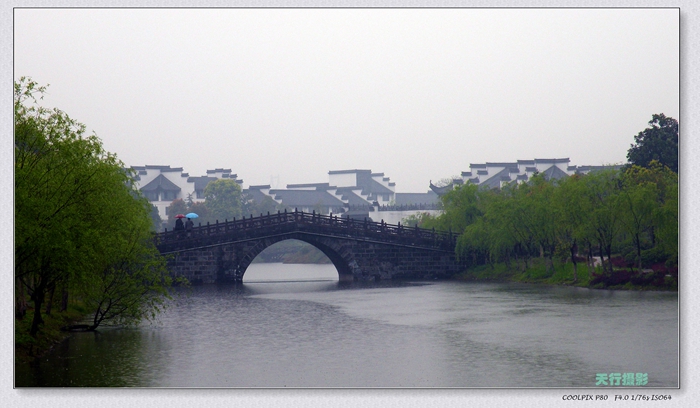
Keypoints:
(178, 225)
(189, 225)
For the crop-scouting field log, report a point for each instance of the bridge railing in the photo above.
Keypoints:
(325, 223)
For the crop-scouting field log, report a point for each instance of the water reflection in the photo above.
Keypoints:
(310, 332)
(79, 361)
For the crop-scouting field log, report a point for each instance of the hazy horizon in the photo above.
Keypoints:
(282, 96)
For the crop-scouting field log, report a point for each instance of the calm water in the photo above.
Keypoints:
(297, 326)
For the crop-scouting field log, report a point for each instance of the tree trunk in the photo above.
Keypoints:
(552, 250)
(49, 303)
(20, 299)
(638, 243)
(573, 249)
(608, 250)
(525, 258)
(64, 300)
(37, 298)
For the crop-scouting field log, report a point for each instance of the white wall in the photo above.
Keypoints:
(342, 180)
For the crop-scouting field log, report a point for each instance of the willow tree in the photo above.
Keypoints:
(74, 207)
(129, 280)
(572, 214)
(461, 207)
(539, 205)
(638, 202)
(605, 217)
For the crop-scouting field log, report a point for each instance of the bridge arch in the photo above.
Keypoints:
(359, 250)
(341, 260)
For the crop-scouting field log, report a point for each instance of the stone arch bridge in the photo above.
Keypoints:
(359, 250)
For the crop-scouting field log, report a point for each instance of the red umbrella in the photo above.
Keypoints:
(180, 216)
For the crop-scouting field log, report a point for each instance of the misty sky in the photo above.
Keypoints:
(283, 96)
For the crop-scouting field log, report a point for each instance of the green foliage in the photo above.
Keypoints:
(545, 229)
(199, 208)
(267, 205)
(224, 200)
(659, 142)
(156, 221)
(77, 218)
(177, 206)
(461, 208)
(418, 220)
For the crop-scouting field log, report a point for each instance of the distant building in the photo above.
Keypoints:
(495, 175)
(351, 193)
(161, 185)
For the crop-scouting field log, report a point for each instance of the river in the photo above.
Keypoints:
(297, 326)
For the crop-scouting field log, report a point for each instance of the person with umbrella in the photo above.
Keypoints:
(179, 226)
(189, 224)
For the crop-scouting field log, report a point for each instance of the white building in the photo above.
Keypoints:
(161, 185)
(354, 193)
(497, 174)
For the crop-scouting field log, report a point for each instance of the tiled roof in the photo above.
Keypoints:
(157, 167)
(440, 190)
(554, 173)
(501, 164)
(378, 188)
(306, 198)
(256, 195)
(317, 186)
(201, 182)
(347, 194)
(495, 180)
(160, 183)
(564, 160)
(220, 171)
(369, 172)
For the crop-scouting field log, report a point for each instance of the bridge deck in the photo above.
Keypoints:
(309, 223)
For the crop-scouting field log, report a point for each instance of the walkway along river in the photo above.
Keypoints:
(310, 330)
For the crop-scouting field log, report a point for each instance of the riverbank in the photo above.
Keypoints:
(28, 348)
(563, 274)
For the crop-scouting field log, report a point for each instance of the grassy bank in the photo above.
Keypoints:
(28, 348)
(563, 274)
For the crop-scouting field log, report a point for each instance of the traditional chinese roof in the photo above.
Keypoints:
(495, 180)
(441, 190)
(554, 173)
(255, 193)
(160, 183)
(306, 198)
(315, 186)
(351, 197)
(201, 182)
